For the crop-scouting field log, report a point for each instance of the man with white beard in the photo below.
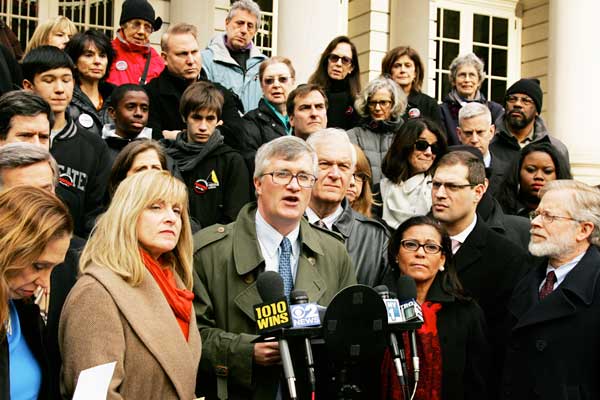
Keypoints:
(554, 346)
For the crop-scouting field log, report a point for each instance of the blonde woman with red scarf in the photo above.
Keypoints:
(133, 302)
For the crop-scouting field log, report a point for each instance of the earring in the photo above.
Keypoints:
(442, 268)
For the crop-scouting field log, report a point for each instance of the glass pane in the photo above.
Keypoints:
(500, 31)
(451, 24)
(449, 53)
(498, 91)
(438, 22)
(445, 84)
(438, 60)
(484, 88)
(483, 53)
(481, 28)
(499, 60)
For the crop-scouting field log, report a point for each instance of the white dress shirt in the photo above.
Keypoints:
(328, 220)
(459, 239)
(269, 241)
(561, 271)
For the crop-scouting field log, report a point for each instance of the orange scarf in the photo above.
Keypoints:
(180, 300)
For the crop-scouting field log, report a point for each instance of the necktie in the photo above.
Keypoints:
(548, 285)
(321, 224)
(455, 246)
(285, 265)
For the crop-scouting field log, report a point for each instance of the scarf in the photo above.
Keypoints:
(187, 155)
(379, 126)
(406, 199)
(180, 300)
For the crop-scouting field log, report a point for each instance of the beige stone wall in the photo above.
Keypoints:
(368, 28)
(534, 42)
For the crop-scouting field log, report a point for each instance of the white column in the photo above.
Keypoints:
(574, 83)
(305, 28)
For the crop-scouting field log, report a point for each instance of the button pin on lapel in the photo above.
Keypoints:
(248, 278)
(312, 260)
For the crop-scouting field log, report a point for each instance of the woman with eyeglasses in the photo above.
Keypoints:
(381, 105)
(538, 164)
(451, 344)
(270, 120)
(338, 73)
(359, 192)
(405, 189)
(466, 77)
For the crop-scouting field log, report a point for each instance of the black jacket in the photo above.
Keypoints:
(340, 110)
(84, 166)
(512, 227)
(11, 77)
(267, 125)
(84, 113)
(216, 178)
(496, 173)
(32, 329)
(464, 347)
(427, 106)
(554, 348)
(366, 241)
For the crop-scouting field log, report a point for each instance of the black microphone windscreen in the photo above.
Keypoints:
(383, 291)
(407, 288)
(298, 296)
(270, 286)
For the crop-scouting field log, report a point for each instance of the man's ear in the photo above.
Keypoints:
(219, 123)
(27, 85)
(493, 129)
(291, 120)
(111, 112)
(163, 55)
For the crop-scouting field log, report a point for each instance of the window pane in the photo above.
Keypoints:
(451, 24)
(498, 91)
(481, 28)
(484, 88)
(438, 60)
(500, 31)
(449, 53)
(439, 22)
(483, 53)
(445, 85)
(499, 60)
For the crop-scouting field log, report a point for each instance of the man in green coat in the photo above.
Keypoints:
(229, 258)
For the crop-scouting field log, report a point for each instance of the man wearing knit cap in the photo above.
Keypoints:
(231, 59)
(135, 61)
(521, 123)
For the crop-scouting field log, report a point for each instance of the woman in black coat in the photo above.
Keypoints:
(453, 324)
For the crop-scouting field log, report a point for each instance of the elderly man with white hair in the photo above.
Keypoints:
(366, 239)
(554, 346)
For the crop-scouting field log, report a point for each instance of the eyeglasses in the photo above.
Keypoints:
(136, 24)
(413, 246)
(281, 79)
(359, 178)
(548, 218)
(524, 100)
(451, 187)
(423, 145)
(381, 103)
(334, 58)
(285, 178)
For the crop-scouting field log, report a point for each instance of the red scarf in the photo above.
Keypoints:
(180, 300)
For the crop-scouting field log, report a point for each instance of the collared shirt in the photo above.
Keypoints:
(328, 220)
(528, 139)
(269, 240)
(487, 159)
(462, 236)
(562, 271)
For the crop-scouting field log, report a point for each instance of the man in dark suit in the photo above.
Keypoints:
(554, 347)
(488, 264)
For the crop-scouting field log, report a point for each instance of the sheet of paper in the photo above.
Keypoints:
(93, 382)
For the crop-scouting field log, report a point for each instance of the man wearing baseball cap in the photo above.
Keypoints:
(521, 123)
(135, 61)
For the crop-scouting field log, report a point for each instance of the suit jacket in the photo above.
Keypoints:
(554, 348)
(496, 173)
(228, 260)
(105, 319)
(513, 227)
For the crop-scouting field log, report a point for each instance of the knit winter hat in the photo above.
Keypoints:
(139, 9)
(531, 87)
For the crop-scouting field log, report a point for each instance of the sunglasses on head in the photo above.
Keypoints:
(423, 145)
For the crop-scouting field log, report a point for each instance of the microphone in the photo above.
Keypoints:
(393, 309)
(305, 314)
(274, 314)
(407, 294)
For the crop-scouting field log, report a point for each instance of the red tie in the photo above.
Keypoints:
(548, 285)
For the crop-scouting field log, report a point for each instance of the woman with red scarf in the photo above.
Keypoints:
(451, 344)
(133, 302)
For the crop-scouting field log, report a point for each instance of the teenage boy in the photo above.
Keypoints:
(82, 157)
(215, 174)
(128, 108)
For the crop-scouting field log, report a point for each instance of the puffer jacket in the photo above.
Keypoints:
(84, 113)
(375, 139)
(220, 67)
(130, 60)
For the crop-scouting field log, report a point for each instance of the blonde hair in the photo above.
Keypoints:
(30, 218)
(363, 203)
(114, 241)
(42, 32)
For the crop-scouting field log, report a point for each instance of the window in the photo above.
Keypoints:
(492, 33)
(21, 16)
(90, 14)
(266, 35)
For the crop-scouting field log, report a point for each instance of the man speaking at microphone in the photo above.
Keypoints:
(269, 235)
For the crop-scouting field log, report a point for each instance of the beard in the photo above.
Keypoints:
(519, 122)
(554, 246)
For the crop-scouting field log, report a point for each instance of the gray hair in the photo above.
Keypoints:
(472, 110)
(177, 29)
(399, 99)
(329, 134)
(466, 59)
(17, 155)
(584, 204)
(288, 148)
(245, 5)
